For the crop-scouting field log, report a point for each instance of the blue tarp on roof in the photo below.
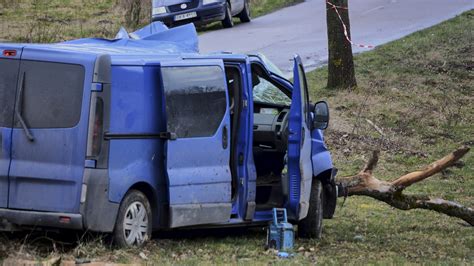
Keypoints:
(155, 38)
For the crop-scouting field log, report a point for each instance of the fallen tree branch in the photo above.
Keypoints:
(391, 192)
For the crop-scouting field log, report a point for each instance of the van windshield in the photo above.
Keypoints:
(267, 91)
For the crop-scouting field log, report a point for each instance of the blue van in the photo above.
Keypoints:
(143, 133)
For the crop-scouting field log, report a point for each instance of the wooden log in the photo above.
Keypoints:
(391, 192)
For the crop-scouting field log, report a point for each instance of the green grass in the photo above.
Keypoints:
(263, 7)
(420, 91)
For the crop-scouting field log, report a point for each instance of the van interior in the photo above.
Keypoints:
(270, 136)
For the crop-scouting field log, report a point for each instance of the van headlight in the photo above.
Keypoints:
(158, 10)
(207, 2)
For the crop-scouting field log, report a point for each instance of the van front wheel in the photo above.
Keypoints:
(312, 225)
(133, 225)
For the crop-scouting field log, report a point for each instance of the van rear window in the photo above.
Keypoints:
(52, 94)
(195, 100)
(8, 83)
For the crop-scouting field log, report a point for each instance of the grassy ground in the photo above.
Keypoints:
(46, 21)
(262, 7)
(420, 91)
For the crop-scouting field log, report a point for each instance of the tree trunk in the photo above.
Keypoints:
(133, 11)
(340, 65)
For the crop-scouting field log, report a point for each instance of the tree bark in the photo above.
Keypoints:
(391, 192)
(340, 65)
(133, 11)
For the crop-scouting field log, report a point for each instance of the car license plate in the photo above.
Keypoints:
(185, 16)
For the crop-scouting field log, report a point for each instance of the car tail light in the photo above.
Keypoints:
(9, 53)
(96, 128)
(65, 220)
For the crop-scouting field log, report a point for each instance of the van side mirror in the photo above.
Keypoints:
(321, 115)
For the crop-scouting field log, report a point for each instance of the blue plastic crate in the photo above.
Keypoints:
(280, 234)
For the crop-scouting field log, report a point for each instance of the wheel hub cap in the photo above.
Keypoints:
(135, 224)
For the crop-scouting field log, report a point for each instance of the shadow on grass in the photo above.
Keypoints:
(180, 234)
(76, 243)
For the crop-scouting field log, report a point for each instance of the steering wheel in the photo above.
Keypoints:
(281, 129)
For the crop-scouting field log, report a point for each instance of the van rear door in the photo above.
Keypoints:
(9, 67)
(50, 130)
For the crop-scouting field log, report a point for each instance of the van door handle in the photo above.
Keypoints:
(19, 107)
(225, 138)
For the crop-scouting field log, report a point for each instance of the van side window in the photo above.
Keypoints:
(195, 100)
(8, 83)
(52, 94)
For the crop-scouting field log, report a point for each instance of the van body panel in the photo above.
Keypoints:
(321, 158)
(98, 212)
(134, 110)
(46, 174)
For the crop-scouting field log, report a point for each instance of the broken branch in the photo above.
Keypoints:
(391, 193)
(436, 167)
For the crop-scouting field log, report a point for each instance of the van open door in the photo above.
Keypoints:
(198, 147)
(9, 67)
(299, 145)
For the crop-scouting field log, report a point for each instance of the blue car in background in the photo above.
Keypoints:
(144, 133)
(178, 12)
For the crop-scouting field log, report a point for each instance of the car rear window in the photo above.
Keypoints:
(8, 83)
(195, 100)
(52, 94)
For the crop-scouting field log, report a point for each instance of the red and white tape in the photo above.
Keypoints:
(336, 9)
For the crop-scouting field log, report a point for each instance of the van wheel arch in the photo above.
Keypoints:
(150, 194)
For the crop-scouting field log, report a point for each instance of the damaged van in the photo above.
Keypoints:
(143, 133)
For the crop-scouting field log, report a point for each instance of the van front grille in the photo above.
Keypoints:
(189, 5)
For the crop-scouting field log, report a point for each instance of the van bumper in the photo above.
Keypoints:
(40, 219)
(214, 12)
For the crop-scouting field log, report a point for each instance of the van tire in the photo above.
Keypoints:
(312, 225)
(245, 15)
(228, 22)
(134, 221)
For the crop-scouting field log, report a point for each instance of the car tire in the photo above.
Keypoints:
(228, 22)
(245, 15)
(134, 222)
(329, 200)
(312, 225)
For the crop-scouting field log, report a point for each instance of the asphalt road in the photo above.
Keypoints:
(302, 28)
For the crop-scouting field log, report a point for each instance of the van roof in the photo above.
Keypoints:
(150, 44)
